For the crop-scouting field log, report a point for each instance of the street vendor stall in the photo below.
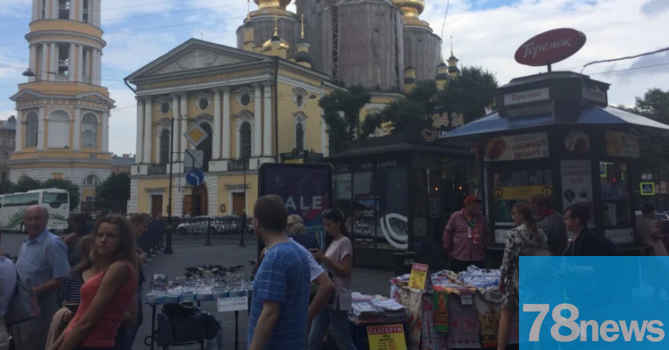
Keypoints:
(555, 134)
(453, 311)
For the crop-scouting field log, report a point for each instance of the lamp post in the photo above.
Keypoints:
(244, 218)
(168, 240)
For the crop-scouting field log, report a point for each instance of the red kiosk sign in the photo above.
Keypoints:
(550, 47)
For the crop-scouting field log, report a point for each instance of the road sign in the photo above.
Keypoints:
(194, 177)
(647, 188)
(195, 134)
(194, 158)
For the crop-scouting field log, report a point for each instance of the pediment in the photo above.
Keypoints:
(193, 55)
(25, 95)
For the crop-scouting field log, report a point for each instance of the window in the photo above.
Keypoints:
(63, 60)
(55, 199)
(245, 141)
(5, 142)
(63, 9)
(245, 100)
(615, 194)
(89, 131)
(5, 156)
(165, 107)
(299, 137)
(299, 100)
(203, 104)
(86, 10)
(31, 125)
(91, 180)
(203, 101)
(164, 155)
(511, 187)
(43, 9)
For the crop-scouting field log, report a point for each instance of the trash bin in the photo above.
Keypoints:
(403, 262)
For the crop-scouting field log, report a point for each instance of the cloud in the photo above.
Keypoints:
(653, 7)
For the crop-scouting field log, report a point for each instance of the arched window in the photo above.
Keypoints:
(206, 146)
(299, 137)
(89, 131)
(91, 180)
(31, 130)
(58, 129)
(164, 155)
(245, 141)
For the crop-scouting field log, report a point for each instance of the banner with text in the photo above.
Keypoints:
(517, 147)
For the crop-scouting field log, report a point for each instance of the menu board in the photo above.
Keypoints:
(620, 144)
(517, 147)
(363, 227)
(577, 184)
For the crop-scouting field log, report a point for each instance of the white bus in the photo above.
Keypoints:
(55, 200)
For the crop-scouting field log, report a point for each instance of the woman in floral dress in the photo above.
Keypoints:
(525, 239)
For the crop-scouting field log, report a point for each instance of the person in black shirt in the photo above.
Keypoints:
(297, 232)
(586, 241)
(79, 227)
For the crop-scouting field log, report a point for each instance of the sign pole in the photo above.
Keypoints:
(168, 241)
(550, 68)
(244, 219)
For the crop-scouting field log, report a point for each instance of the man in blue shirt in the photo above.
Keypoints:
(42, 260)
(279, 308)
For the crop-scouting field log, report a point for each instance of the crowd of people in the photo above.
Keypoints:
(86, 284)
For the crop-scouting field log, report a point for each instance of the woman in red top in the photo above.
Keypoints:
(106, 296)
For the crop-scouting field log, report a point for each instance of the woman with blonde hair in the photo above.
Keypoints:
(109, 292)
(297, 231)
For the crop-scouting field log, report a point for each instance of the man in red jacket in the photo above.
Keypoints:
(466, 236)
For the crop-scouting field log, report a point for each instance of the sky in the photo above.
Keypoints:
(485, 33)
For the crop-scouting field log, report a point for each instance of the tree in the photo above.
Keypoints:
(26, 184)
(114, 192)
(6, 187)
(654, 155)
(67, 185)
(471, 92)
(341, 111)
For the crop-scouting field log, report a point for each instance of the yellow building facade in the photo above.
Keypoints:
(254, 102)
(63, 111)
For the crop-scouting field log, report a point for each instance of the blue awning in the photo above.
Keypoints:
(493, 123)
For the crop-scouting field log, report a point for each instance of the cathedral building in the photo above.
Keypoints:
(259, 101)
(62, 129)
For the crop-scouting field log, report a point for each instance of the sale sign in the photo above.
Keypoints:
(390, 337)
(418, 276)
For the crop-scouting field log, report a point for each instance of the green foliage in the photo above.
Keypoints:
(114, 192)
(469, 93)
(341, 111)
(26, 184)
(654, 152)
(72, 189)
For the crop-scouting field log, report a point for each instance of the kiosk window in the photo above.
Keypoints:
(615, 194)
(511, 187)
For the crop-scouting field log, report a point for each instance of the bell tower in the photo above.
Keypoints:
(63, 109)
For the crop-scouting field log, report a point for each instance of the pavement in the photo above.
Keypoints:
(225, 253)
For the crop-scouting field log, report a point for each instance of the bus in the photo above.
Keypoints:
(55, 200)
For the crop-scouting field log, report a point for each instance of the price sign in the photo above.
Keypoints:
(233, 304)
(389, 337)
(418, 276)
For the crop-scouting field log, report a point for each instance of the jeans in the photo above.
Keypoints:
(340, 329)
(4, 335)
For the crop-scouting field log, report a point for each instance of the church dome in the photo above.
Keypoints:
(264, 4)
(411, 9)
(267, 45)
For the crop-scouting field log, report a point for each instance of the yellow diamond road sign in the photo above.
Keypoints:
(195, 135)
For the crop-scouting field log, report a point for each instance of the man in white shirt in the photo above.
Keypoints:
(324, 283)
(7, 284)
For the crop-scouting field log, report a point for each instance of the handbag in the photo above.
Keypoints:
(23, 304)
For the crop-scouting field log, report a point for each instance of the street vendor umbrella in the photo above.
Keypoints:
(595, 116)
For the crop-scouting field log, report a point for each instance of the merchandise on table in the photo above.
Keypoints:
(375, 309)
(184, 290)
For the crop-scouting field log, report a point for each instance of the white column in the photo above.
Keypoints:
(226, 138)
(105, 132)
(73, 7)
(267, 120)
(18, 141)
(98, 68)
(43, 64)
(76, 144)
(40, 128)
(216, 142)
(148, 120)
(80, 10)
(140, 131)
(175, 125)
(257, 121)
(33, 61)
(54, 9)
(183, 115)
(70, 63)
(80, 62)
(53, 64)
(95, 67)
(96, 10)
(35, 8)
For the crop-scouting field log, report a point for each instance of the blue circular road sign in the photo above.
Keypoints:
(194, 177)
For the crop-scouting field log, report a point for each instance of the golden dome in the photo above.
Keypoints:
(264, 4)
(267, 45)
(410, 9)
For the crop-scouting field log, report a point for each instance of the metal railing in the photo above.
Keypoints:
(238, 164)
(157, 169)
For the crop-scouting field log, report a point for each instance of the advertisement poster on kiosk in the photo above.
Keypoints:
(304, 188)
